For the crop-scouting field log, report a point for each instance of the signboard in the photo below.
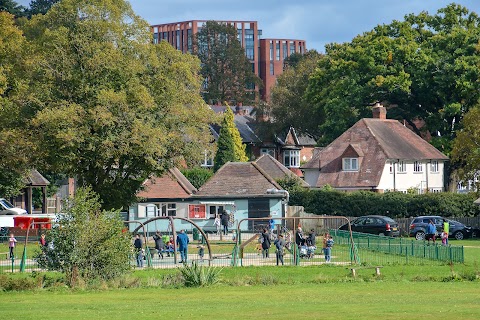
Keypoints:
(197, 211)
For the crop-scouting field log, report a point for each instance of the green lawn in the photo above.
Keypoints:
(358, 300)
(429, 291)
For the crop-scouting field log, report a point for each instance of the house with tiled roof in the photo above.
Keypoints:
(378, 154)
(167, 195)
(244, 190)
(291, 148)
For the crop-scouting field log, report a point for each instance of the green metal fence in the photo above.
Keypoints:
(378, 249)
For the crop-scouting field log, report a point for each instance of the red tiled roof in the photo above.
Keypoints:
(238, 179)
(172, 184)
(375, 141)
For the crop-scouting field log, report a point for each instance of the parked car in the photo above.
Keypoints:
(381, 225)
(6, 208)
(458, 230)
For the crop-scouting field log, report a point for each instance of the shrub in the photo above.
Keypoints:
(199, 276)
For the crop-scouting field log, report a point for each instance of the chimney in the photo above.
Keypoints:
(379, 111)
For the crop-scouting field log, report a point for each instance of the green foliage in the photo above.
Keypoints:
(87, 243)
(290, 183)
(424, 67)
(393, 204)
(466, 147)
(12, 7)
(229, 144)
(104, 104)
(200, 276)
(224, 64)
(197, 176)
(289, 106)
(40, 6)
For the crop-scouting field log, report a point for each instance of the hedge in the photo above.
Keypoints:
(393, 204)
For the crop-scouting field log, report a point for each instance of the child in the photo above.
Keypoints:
(444, 237)
(201, 252)
(328, 248)
(11, 244)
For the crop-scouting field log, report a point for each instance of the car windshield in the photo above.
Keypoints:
(6, 204)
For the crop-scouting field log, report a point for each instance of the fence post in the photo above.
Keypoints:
(406, 254)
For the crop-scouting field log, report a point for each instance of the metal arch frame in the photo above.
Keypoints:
(142, 225)
(295, 224)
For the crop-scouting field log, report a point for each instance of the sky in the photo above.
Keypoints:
(318, 22)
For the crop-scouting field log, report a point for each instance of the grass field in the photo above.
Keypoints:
(322, 292)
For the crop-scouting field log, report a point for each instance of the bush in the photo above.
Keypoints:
(394, 204)
(87, 243)
(200, 276)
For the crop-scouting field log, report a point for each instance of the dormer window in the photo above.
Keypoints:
(350, 164)
(291, 158)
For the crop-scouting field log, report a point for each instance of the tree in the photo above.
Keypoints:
(424, 69)
(12, 7)
(16, 147)
(227, 71)
(106, 105)
(289, 106)
(466, 147)
(225, 147)
(86, 242)
(40, 6)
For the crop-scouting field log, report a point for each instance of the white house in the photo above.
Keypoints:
(378, 154)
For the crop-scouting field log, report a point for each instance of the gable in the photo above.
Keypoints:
(171, 185)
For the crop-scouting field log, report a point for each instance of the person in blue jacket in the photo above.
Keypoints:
(182, 244)
(431, 232)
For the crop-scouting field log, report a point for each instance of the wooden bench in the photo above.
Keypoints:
(5, 253)
(377, 270)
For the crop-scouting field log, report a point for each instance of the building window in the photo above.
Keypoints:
(239, 36)
(292, 47)
(214, 210)
(391, 167)
(285, 50)
(417, 167)
(350, 164)
(271, 50)
(169, 209)
(151, 210)
(434, 167)
(189, 40)
(177, 43)
(401, 167)
(249, 44)
(277, 50)
(267, 151)
(207, 160)
(272, 68)
(291, 158)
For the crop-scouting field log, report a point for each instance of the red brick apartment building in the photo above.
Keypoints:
(265, 55)
(273, 53)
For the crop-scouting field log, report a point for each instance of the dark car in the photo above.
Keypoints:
(381, 225)
(457, 230)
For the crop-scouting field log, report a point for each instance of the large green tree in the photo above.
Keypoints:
(107, 106)
(229, 144)
(227, 71)
(40, 6)
(424, 69)
(14, 143)
(289, 106)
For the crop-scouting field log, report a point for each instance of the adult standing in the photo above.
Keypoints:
(431, 232)
(182, 243)
(266, 243)
(280, 248)
(225, 219)
(271, 224)
(159, 244)
(138, 245)
(446, 229)
(299, 238)
(328, 249)
(218, 224)
(311, 238)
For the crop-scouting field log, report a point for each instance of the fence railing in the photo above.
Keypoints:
(399, 247)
